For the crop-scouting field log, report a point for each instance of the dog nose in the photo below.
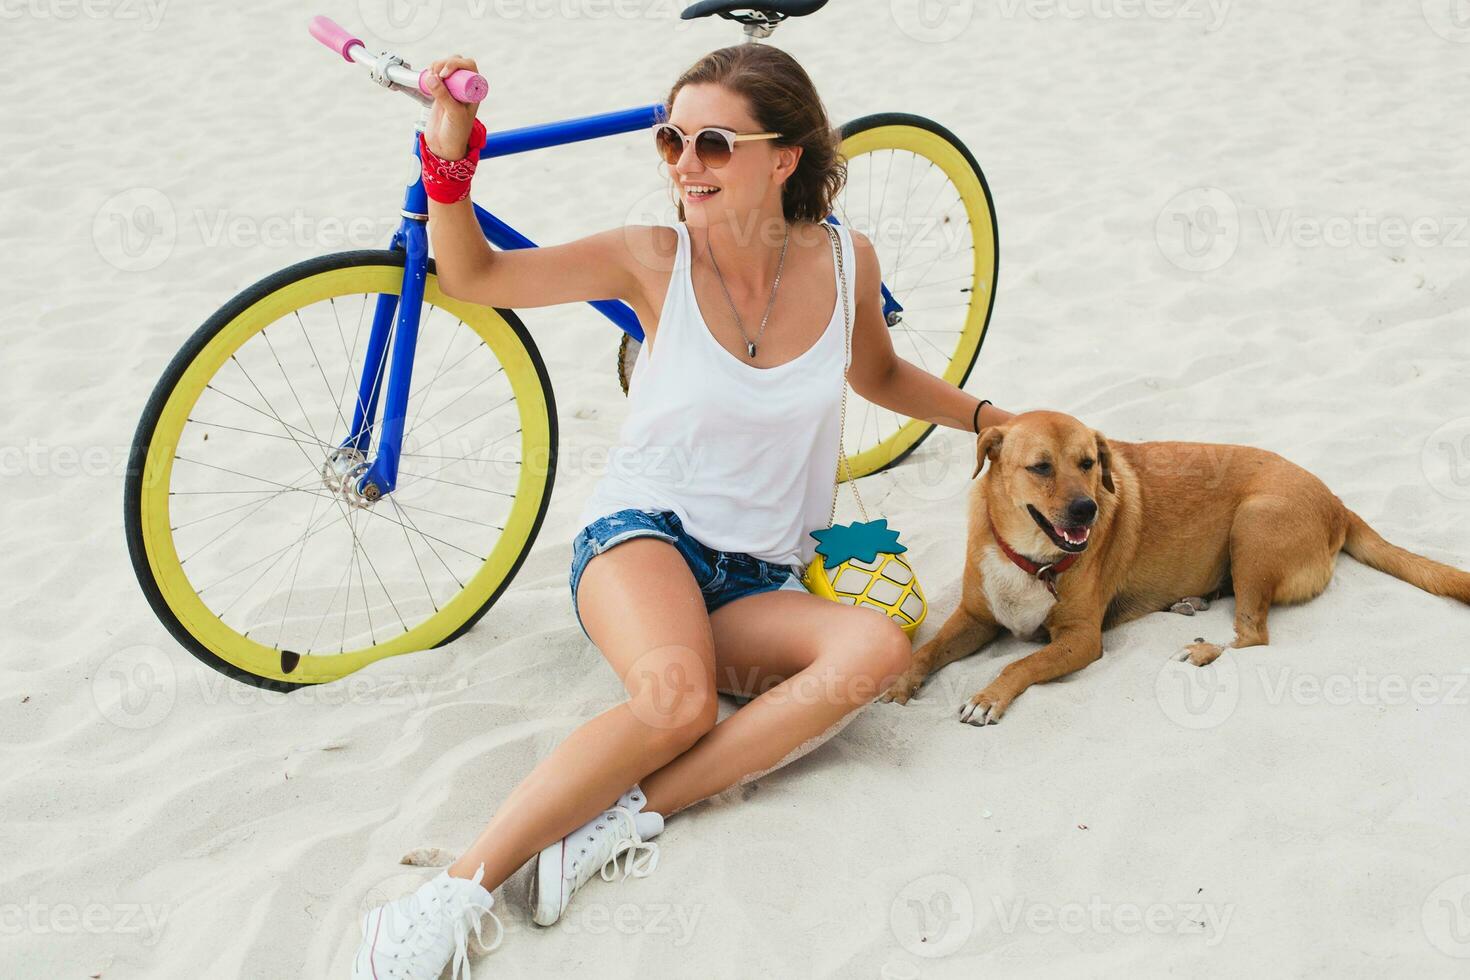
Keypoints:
(1082, 510)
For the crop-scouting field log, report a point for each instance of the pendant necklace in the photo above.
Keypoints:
(750, 344)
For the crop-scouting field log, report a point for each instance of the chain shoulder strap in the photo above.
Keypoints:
(842, 464)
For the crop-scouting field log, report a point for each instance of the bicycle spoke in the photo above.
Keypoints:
(336, 405)
(268, 529)
(416, 564)
(276, 418)
(265, 336)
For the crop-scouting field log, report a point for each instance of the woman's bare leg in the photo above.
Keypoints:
(644, 610)
(810, 661)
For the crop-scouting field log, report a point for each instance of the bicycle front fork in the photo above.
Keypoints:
(387, 369)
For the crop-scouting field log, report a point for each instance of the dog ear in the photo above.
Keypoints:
(1105, 460)
(987, 446)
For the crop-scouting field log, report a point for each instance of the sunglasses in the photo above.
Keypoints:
(713, 146)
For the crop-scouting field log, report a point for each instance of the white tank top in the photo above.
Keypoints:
(745, 456)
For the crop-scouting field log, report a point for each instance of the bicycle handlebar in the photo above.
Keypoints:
(464, 85)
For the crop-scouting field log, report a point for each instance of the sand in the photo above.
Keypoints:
(1296, 810)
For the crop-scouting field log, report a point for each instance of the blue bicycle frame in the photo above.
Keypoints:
(411, 238)
(395, 319)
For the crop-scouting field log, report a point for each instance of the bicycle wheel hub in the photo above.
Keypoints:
(343, 471)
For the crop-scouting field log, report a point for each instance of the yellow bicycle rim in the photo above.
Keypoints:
(163, 559)
(944, 155)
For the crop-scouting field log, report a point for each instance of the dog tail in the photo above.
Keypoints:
(1369, 547)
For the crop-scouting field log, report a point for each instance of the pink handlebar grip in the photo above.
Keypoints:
(333, 35)
(464, 85)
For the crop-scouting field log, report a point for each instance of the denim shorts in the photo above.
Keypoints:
(721, 575)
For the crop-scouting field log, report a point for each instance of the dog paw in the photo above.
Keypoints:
(1200, 653)
(1190, 605)
(899, 693)
(984, 708)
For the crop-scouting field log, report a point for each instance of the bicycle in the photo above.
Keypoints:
(287, 602)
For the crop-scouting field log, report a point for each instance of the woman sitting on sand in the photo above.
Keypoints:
(687, 576)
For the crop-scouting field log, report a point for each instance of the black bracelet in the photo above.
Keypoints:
(983, 401)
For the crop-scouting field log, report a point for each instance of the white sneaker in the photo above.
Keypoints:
(413, 937)
(565, 866)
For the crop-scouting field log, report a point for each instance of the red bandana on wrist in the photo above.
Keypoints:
(448, 181)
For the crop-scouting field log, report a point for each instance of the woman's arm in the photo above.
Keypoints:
(884, 378)
(598, 266)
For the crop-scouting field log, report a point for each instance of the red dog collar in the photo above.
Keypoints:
(1047, 573)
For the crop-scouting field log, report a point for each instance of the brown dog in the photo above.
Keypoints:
(1070, 534)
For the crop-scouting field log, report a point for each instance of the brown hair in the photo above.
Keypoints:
(783, 100)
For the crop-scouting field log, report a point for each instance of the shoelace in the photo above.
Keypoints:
(470, 917)
(642, 855)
